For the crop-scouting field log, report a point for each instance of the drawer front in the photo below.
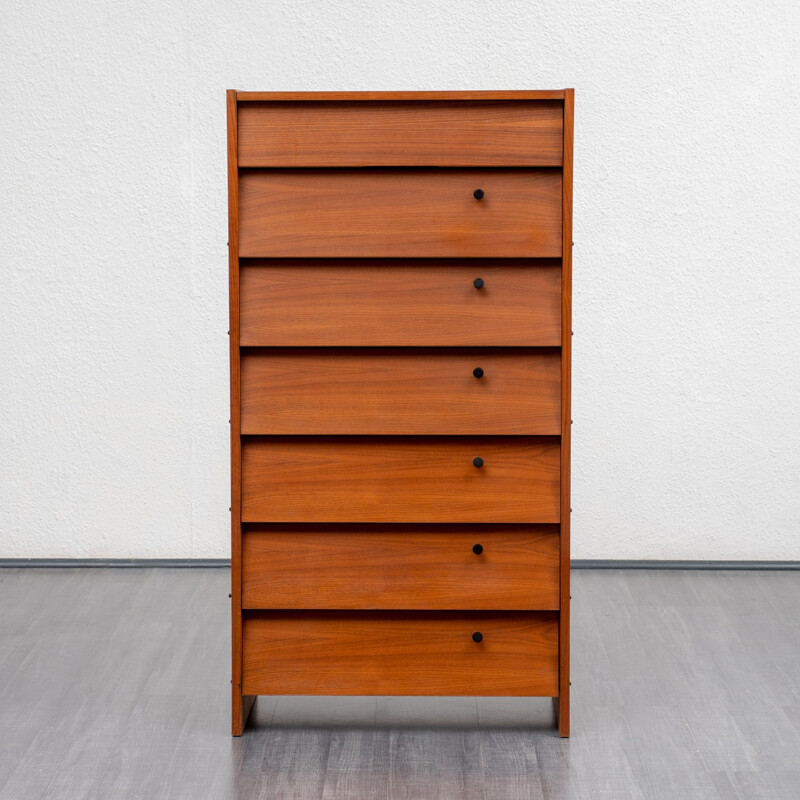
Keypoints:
(395, 392)
(400, 213)
(415, 134)
(503, 567)
(394, 479)
(388, 653)
(400, 304)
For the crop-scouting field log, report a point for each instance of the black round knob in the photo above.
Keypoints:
(477, 372)
(478, 283)
(477, 462)
(477, 636)
(477, 549)
(478, 194)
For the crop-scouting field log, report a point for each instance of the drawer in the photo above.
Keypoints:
(400, 304)
(394, 391)
(401, 134)
(400, 479)
(503, 567)
(394, 653)
(406, 213)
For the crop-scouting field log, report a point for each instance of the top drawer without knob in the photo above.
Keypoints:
(401, 134)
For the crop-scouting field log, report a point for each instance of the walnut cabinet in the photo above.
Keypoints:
(400, 340)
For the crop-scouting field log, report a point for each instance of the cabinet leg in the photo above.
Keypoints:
(561, 706)
(242, 706)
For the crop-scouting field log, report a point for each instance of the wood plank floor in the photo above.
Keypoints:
(114, 684)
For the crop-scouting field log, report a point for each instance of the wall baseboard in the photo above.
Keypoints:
(15, 563)
(602, 563)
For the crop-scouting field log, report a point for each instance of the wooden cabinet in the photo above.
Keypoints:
(400, 301)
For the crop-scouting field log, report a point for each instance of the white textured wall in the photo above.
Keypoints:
(113, 405)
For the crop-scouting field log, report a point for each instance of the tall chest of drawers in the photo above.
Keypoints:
(400, 329)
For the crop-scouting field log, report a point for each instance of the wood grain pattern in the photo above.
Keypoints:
(298, 391)
(241, 704)
(394, 134)
(400, 213)
(566, 422)
(425, 303)
(401, 567)
(391, 653)
(400, 479)
(339, 97)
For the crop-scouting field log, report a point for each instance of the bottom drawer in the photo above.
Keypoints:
(400, 653)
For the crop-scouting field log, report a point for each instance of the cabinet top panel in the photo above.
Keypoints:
(555, 94)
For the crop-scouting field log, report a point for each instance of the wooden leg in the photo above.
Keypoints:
(242, 706)
(561, 706)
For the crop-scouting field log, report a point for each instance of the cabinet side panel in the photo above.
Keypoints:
(240, 705)
(566, 413)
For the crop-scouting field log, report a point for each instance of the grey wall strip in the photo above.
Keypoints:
(114, 562)
(12, 563)
(646, 564)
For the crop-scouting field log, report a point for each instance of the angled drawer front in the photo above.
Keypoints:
(424, 303)
(399, 653)
(395, 391)
(408, 213)
(504, 567)
(398, 134)
(400, 479)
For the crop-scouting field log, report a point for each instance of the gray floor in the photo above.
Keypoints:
(114, 684)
